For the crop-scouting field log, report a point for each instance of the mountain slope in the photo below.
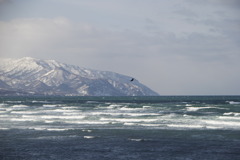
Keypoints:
(49, 77)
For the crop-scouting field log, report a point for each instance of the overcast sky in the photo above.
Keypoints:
(175, 47)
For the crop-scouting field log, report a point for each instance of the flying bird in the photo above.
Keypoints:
(132, 79)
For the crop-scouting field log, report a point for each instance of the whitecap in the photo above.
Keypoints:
(47, 121)
(38, 128)
(141, 114)
(25, 112)
(19, 106)
(72, 114)
(48, 129)
(129, 109)
(151, 125)
(89, 137)
(136, 140)
(228, 114)
(67, 108)
(87, 130)
(87, 122)
(56, 129)
(50, 137)
(123, 114)
(231, 114)
(61, 117)
(104, 113)
(192, 109)
(213, 127)
(115, 105)
(146, 107)
(222, 123)
(22, 119)
(63, 110)
(4, 128)
(229, 118)
(13, 101)
(129, 124)
(49, 105)
(193, 126)
(128, 120)
(232, 102)
(34, 101)
(29, 116)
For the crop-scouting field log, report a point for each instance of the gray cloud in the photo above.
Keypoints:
(5, 1)
(177, 47)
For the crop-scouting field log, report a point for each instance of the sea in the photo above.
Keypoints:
(120, 128)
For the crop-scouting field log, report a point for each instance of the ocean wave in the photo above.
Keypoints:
(92, 102)
(69, 108)
(23, 119)
(233, 102)
(111, 106)
(231, 114)
(4, 128)
(4, 115)
(193, 109)
(151, 125)
(34, 101)
(229, 118)
(187, 126)
(146, 107)
(50, 105)
(87, 122)
(136, 140)
(61, 117)
(63, 110)
(141, 114)
(26, 112)
(72, 113)
(87, 130)
(122, 114)
(13, 102)
(49, 121)
(56, 129)
(2, 111)
(128, 120)
(129, 124)
(3, 104)
(223, 124)
(90, 137)
(129, 109)
(20, 106)
(48, 129)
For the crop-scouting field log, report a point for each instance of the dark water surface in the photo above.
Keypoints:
(141, 128)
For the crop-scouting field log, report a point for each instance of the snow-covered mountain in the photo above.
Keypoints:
(29, 76)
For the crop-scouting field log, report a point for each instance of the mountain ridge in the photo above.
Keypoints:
(32, 76)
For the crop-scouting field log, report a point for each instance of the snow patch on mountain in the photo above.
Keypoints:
(49, 77)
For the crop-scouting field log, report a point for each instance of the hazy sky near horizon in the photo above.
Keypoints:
(175, 47)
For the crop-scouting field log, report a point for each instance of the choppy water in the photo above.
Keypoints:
(171, 127)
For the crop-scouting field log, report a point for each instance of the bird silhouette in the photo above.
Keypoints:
(132, 79)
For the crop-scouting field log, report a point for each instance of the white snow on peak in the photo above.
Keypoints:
(55, 77)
